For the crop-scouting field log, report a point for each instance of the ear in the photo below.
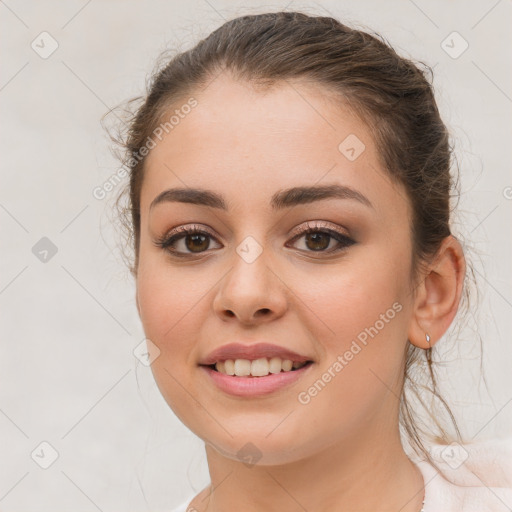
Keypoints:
(438, 294)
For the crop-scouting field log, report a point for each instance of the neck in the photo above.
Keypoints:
(364, 476)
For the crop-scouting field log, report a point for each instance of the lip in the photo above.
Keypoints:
(254, 351)
(254, 386)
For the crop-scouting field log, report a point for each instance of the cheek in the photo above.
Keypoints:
(360, 315)
(170, 302)
(170, 305)
(363, 352)
(353, 297)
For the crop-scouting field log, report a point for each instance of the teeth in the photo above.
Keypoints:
(256, 368)
(227, 368)
(242, 367)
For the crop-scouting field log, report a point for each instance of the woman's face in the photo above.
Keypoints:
(253, 277)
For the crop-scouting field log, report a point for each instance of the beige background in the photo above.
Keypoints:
(69, 325)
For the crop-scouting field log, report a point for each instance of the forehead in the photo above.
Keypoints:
(244, 139)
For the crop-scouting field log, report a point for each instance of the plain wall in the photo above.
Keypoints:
(69, 325)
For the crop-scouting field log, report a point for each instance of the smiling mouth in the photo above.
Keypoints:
(257, 368)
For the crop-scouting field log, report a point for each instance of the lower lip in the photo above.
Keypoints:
(255, 386)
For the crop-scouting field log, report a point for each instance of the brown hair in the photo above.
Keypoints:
(390, 93)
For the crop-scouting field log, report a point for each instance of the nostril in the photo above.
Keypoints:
(263, 312)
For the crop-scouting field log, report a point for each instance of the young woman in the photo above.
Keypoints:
(289, 200)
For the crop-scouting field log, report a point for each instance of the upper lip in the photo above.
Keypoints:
(254, 351)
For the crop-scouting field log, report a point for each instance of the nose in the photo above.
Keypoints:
(251, 292)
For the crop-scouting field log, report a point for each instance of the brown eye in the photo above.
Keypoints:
(186, 240)
(323, 240)
(190, 240)
(318, 241)
(197, 242)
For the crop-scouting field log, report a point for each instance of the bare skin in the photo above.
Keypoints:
(341, 450)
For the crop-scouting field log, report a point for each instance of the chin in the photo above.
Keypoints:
(259, 449)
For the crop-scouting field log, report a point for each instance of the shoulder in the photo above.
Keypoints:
(474, 476)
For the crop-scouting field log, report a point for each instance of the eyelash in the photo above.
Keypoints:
(167, 240)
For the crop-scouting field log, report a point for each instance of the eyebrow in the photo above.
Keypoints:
(281, 199)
